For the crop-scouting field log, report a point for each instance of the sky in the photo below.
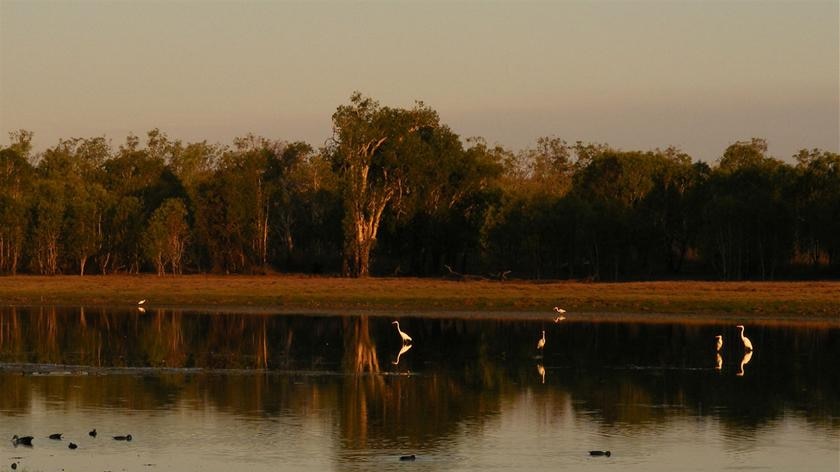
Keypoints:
(634, 74)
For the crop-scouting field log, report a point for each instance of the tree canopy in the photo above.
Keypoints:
(398, 192)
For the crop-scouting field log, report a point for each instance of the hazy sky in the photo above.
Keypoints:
(637, 75)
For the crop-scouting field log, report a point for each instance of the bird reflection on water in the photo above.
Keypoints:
(469, 373)
(744, 361)
(405, 348)
(541, 371)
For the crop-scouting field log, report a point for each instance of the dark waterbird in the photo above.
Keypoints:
(56, 436)
(123, 438)
(14, 465)
(92, 433)
(408, 458)
(599, 453)
(72, 446)
(25, 440)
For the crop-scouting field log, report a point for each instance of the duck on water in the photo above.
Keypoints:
(23, 440)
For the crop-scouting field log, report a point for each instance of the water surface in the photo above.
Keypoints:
(260, 392)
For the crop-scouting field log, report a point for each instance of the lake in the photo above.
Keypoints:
(220, 392)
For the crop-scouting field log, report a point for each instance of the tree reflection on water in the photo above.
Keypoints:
(457, 370)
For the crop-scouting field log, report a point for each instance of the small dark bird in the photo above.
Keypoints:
(26, 440)
(72, 446)
(92, 433)
(408, 458)
(123, 438)
(56, 436)
(14, 465)
(599, 453)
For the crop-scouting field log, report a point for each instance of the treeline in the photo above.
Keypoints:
(396, 192)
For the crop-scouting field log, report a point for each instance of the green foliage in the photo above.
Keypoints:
(395, 191)
(166, 235)
(16, 176)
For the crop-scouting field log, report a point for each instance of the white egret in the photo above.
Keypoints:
(541, 342)
(747, 344)
(141, 301)
(405, 338)
(719, 342)
(560, 312)
(744, 361)
(404, 349)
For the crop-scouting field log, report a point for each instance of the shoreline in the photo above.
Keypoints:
(691, 301)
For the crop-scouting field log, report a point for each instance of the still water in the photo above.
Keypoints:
(221, 392)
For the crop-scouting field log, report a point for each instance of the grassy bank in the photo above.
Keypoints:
(766, 300)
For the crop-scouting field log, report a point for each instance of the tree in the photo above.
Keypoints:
(371, 152)
(818, 206)
(166, 236)
(448, 191)
(16, 180)
(748, 226)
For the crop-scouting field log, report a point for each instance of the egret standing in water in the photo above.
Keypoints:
(541, 342)
(719, 342)
(405, 338)
(560, 312)
(747, 344)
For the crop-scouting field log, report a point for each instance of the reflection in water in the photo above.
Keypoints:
(405, 348)
(744, 361)
(541, 371)
(718, 362)
(360, 351)
(316, 384)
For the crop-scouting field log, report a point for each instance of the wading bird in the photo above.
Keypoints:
(405, 338)
(719, 342)
(141, 301)
(747, 344)
(541, 342)
(560, 312)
